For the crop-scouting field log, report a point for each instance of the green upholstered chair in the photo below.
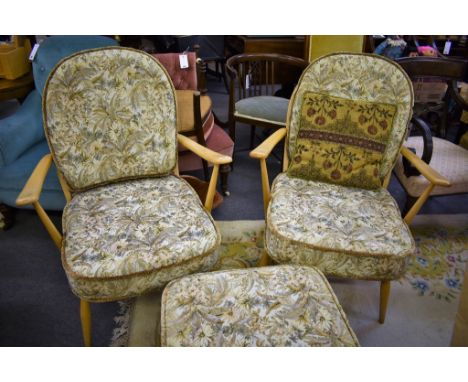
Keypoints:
(259, 90)
(345, 231)
(130, 224)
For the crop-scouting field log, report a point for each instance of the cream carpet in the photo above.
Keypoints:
(422, 305)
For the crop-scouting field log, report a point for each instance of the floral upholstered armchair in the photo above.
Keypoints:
(347, 120)
(130, 224)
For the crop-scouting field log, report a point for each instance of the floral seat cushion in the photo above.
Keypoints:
(272, 306)
(127, 238)
(343, 231)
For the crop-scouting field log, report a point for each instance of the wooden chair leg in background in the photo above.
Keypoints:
(85, 315)
(384, 295)
(225, 169)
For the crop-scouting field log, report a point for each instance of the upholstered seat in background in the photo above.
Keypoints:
(263, 108)
(449, 159)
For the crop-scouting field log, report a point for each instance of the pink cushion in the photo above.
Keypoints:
(183, 79)
(218, 141)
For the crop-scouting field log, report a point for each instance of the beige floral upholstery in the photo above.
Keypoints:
(270, 306)
(357, 77)
(448, 159)
(110, 114)
(343, 231)
(127, 238)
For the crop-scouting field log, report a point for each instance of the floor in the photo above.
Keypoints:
(37, 307)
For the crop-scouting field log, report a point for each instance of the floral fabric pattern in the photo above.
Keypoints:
(110, 114)
(357, 77)
(126, 238)
(341, 141)
(343, 231)
(269, 306)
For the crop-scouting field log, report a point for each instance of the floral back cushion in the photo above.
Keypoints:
(110, 115)
(341, 141)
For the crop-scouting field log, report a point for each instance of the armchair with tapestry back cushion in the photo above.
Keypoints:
(195, 115)
(330, 209)
(131, 224)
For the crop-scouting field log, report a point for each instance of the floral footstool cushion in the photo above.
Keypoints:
(283, 305)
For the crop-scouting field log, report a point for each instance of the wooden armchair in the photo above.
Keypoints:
(260, 87)
(131, 224)
(347, 232)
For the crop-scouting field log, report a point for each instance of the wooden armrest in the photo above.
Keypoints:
(428, 172)
(265, 148)
(33, 187)
(203, 152)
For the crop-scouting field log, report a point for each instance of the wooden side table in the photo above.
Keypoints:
(19, 88)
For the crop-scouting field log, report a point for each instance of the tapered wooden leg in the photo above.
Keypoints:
(85, 315)
(264, 260)
(384, 295)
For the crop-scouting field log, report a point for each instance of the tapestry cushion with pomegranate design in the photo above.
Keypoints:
(341, 141)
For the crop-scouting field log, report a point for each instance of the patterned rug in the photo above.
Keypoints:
(422, 304)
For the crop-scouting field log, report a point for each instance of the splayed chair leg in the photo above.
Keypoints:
(384, 295)
(85, 315)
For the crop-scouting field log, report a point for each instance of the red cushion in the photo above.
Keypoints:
(183, 79)
(218, 141)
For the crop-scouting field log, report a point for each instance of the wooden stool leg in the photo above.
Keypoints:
(85, 315)
(264, 260)
(384, 295)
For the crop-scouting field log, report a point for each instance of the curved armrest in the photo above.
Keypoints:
(453, 91)
(427, 138)
(266, 147)
(33, 187)
(203, 152)
(428, 172)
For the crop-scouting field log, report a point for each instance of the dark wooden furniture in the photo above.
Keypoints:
(267, 73)
(423, 70)
(288, 45)
(19, 88)
(449, 71)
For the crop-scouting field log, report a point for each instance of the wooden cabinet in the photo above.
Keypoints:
(289, 45)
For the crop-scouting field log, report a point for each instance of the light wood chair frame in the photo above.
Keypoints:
(31, 193)
(263, 151)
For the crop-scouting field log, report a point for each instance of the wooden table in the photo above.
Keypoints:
(19, 88)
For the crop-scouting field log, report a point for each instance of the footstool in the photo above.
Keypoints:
(284, 305)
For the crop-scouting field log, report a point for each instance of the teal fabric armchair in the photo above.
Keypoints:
(22, 140)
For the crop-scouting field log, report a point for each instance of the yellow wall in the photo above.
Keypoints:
(321, 45)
